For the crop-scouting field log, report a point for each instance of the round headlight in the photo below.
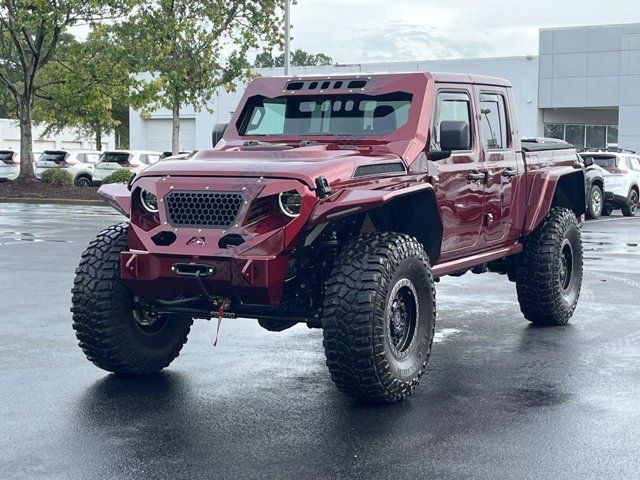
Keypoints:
(290, 203)
(149, 201)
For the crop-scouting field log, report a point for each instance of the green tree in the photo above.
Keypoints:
(89, 86)
(190, 48)
(299, 58)
(30, 32)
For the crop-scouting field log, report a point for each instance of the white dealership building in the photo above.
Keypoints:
(583, 86)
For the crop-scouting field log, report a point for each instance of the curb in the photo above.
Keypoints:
(54, 201)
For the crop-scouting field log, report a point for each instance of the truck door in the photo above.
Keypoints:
(503, 166)
(460, 177)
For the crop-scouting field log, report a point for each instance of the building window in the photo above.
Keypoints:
(583, 136)
(596, 137)
(574, 134)
(554, 130)
(612, 135)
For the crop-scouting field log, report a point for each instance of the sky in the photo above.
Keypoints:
(358, 31)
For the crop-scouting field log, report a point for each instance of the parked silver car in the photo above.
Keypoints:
(133, 160)
(79, 163)
(9, 165)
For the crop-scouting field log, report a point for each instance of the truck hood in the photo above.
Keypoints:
(304, 163)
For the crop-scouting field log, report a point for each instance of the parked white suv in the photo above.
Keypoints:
(133, 160)
(621, 180)
(9, 165)
(79, 163)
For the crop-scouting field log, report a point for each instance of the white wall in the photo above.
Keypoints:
(522, 72)
(67, 139)
(597, 66)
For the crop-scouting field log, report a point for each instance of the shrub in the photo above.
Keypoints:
(119, 176)
(58, 176)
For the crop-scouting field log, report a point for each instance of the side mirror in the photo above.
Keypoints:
(454, 136)
(218, 132)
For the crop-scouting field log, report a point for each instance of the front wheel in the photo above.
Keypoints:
(631, 207)
(549, 270)
(379, 317)
(596, 202)
(112, 333)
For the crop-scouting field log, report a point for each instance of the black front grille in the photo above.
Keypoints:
(203, 209)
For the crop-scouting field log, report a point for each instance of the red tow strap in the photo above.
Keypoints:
(220, 314)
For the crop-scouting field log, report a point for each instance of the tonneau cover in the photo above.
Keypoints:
(533, 146)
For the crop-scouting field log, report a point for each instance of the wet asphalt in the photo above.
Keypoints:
(500, 400)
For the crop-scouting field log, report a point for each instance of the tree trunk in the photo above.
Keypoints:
(98, 138)
(26, 142)
(175, 134)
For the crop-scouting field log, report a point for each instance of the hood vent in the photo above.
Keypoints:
(378, 169)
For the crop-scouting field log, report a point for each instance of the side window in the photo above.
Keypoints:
(451, 106)
(143, 159)
(635, 163)
(493, 121)
(81, 158)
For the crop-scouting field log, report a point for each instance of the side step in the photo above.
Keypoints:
(454, 266)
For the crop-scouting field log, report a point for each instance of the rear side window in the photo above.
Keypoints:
(493, 121)
(451, 106)
(115, 157)
(605, 162)
(57, 157)
(635, 163)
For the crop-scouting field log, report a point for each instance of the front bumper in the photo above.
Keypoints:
(252, 272)
(246, 281)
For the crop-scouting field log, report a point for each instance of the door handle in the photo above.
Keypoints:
(509, 172)
(476, 176)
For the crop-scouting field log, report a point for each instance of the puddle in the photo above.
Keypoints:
(549, 396)
(444, 333)
(10, 237)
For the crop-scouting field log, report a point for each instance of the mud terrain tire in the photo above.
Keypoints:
(549, 270)
(103, 318)
(379, 317)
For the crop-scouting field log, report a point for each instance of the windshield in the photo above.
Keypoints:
(115, 157)
(320, 115)
(6, 156)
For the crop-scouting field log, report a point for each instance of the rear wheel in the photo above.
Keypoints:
(83, 181)
(631, 207)
(379, 317)
(112, 333)
(596, 202)
(549, 270)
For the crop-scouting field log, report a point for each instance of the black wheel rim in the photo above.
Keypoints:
(565, 273)
(402, 317)
(596, 201)
(149, 325)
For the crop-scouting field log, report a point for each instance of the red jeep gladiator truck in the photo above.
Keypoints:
(337, 202)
